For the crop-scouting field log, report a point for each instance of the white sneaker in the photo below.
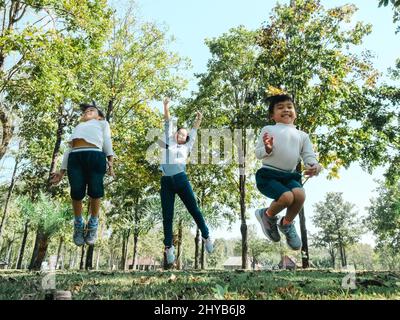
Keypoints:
(169, 253)
(208, 244)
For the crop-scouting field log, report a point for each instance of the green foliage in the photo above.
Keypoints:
(384, 217)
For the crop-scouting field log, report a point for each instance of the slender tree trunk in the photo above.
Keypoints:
(35, 250)
(23, 245)
(60, 244)
(202, 262)
(304, 248)
(56, 150)
(196, 250)
(242, 190)
(82, 257)
(9, 193)
(135, 246)
(89, 258)
(179, 253)
(6, 124)
(123, 260)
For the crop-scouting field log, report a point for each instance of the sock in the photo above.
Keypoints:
(93, 221)
(285, 221)
(78, 220)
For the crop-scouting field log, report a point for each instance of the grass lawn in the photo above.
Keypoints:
(194, 285)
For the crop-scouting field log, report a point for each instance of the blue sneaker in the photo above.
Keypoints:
(169, 254)
(268, 225)
(208, 244)
(292, 238)
(79, 233)
(91, 233)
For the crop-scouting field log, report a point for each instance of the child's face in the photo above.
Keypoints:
(284, 112)
(90, 114)
(181, 136)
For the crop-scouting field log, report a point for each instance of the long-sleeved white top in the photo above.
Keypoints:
(174, 155)
(289, 146)
(94, 131)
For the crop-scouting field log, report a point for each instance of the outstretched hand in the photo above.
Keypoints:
(312, 170)
(56, 177)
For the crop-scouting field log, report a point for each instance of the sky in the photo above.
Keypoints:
(191, 22)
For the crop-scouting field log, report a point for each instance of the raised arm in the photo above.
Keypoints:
(167, 115)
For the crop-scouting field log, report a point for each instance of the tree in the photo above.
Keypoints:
(338, 225)
(21, 35)
(49, 217)
(384, 217)
(396, 10)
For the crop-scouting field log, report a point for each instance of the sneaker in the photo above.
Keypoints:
(79, 234)
(91, 234)
(292, 238)
(268, 225)
(169, 254)
(208, 244)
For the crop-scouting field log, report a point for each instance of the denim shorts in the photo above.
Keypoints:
(86, 169)
(274, 183)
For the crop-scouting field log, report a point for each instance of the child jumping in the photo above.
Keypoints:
(280, 148)
(86, 164)
(175, 151)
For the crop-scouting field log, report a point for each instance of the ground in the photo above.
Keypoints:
(213, 284)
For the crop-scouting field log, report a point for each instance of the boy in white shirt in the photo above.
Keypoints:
(86, 163)
(280, 147)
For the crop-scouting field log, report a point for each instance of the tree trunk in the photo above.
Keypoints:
(202, 256)
(42, 241)
(243, 226)
(242, 190)
(89, 258)
(135, 246)
(82, 256)
(7, 132)
(23, 245)
(123, 260)
(179, 251)
(60, 244)
(9, 193)
(196, 250)
(304, 248)
(56, 150)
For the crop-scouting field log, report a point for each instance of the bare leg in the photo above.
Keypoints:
(77, 207)
(284, 201)
(295, 207)
(95, 207)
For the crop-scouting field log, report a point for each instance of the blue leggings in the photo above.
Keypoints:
(170, 186)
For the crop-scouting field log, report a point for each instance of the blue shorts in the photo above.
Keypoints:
(274, 183)
(86, 170)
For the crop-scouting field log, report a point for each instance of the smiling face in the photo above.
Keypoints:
(284, 112)
(90, 114)
(181, 136)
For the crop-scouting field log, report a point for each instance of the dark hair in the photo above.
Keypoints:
(187, 137)
(85, 106)
(274, 100)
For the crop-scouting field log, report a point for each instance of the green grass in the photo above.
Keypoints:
(173, 285)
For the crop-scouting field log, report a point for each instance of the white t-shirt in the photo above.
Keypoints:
(94, 131)
(289, 146)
